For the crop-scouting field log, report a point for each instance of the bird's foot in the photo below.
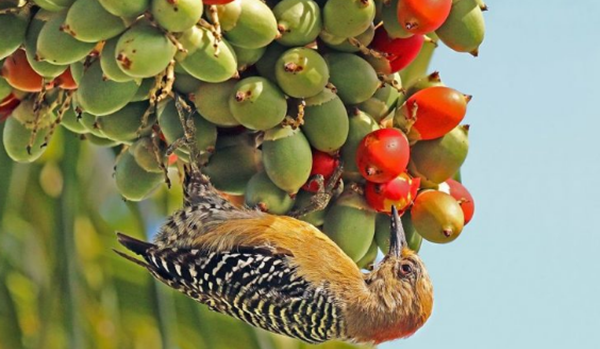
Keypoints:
(324, 194)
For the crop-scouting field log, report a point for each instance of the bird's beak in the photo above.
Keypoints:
(397, 237)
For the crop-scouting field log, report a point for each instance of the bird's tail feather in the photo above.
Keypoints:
(143, 248)
(132, 259)
(136, 246)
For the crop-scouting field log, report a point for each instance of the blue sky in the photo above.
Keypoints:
(526, 271)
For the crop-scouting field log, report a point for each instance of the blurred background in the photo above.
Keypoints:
(525, 272)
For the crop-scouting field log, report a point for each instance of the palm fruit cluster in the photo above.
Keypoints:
(281, 93)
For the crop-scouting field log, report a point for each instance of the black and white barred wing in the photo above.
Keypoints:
(254, 285)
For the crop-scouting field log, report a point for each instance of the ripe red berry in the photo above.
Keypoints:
(399, 192)
(462, 195)
(437, 110)
(172, 159)
(400, 52)
(7, 105)
(18, 73)
(65, 80)
(423, 16)
(382, 155)
(323, 164)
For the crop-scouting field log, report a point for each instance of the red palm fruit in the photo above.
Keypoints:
(172, 159)
(8, 99)
(383, 155)
(323, 164)
(399, 192)
(400, 52)
(65, 80)
(19, 74)
(437, 110)
(7, 105)
(462, 195)
(423, 16)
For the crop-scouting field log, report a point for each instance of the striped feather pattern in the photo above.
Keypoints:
(254, 285)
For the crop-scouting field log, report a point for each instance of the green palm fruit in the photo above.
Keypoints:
(436, 160)
(437, 216)
(76, 71)
(143, 92)
(144, 51)
(299, 21)
(383, 102)
(98, 96)
(5, 88)
(45, 69)
(18, 129)
(108, 62)
(100, 141)
(212, 101)
(348, 18)
(88, 21)
(202, 60)
(54, 5)
(430, 80)
(133, 182)
(301, 72)
(350, 223)
(346, 70)
(464, 29)
(176, 16)
(122, 125)
(343, 44)
(366, 262)
(170, 125)
(57, 47)
(186, 84)
(326, 123)
(389, 16)
(287, 158)
(261, 192)
(239, 150)
(13, 27)
(248, 23)
(145, 154)
(247, 56)
(257, 103)
(71, 123)
(127, 9)
(89, 122)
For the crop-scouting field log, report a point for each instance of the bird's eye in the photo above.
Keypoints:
(406, 269)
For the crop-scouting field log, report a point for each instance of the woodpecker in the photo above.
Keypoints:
(282, 274)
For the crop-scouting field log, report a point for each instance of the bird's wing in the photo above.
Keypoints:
(256, 285)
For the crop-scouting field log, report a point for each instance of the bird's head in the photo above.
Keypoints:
(401, 284)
